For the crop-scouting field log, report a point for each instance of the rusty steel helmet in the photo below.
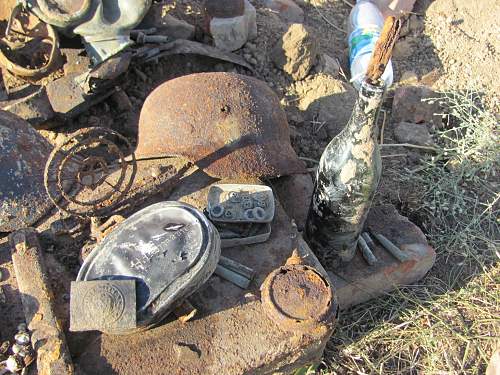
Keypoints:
(23, 154)
(228, 124)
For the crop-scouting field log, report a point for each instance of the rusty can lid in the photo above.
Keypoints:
(298, 297)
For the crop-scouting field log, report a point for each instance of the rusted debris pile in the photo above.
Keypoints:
(176, 251)
(30, 50)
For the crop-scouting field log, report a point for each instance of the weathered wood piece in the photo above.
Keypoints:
(383, 49)
(47, 337)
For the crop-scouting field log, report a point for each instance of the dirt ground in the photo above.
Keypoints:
(447, 45)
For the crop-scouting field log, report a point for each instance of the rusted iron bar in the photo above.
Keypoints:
(53, 357)
(383, 50)
(231, 265)
(231, 276)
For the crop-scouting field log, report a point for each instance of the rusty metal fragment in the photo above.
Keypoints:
(23, 154)
(91, 172)
(53, 357)
(298, 298)
(30, 47)
(228, 124)
(189, 47)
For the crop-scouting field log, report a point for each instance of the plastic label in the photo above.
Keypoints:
(362, 41)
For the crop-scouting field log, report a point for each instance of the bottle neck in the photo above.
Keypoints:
(363, 123)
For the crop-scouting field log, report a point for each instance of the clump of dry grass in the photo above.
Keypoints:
(449, 323)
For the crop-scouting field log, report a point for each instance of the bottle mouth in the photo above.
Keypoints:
(371, 89)
(371, 94)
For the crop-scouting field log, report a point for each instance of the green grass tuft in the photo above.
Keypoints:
(450, 322)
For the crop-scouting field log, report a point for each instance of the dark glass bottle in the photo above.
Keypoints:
(346, 180)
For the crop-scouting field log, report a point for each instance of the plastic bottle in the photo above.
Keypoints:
(365, 24)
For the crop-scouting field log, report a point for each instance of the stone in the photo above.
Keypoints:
(402, 49)
(230, 34)
(411, 104)
(166, 24)
(409, 77)
(328, 65)
(121, 101)
(417, 134)
(296, 52)
(287, 10)
(326, 100)
(77, 61)
(295, 193)
(416, 24)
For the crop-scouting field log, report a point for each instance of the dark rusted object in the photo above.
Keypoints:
(224, 8)
(47, 338)
(30, 47)
(23, 154)
(91, 172)
(299, 298)
(229, 125)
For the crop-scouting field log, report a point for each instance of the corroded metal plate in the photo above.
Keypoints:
(23, 153)
(297, 297)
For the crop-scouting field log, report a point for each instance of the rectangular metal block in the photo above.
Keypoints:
(102, 305)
